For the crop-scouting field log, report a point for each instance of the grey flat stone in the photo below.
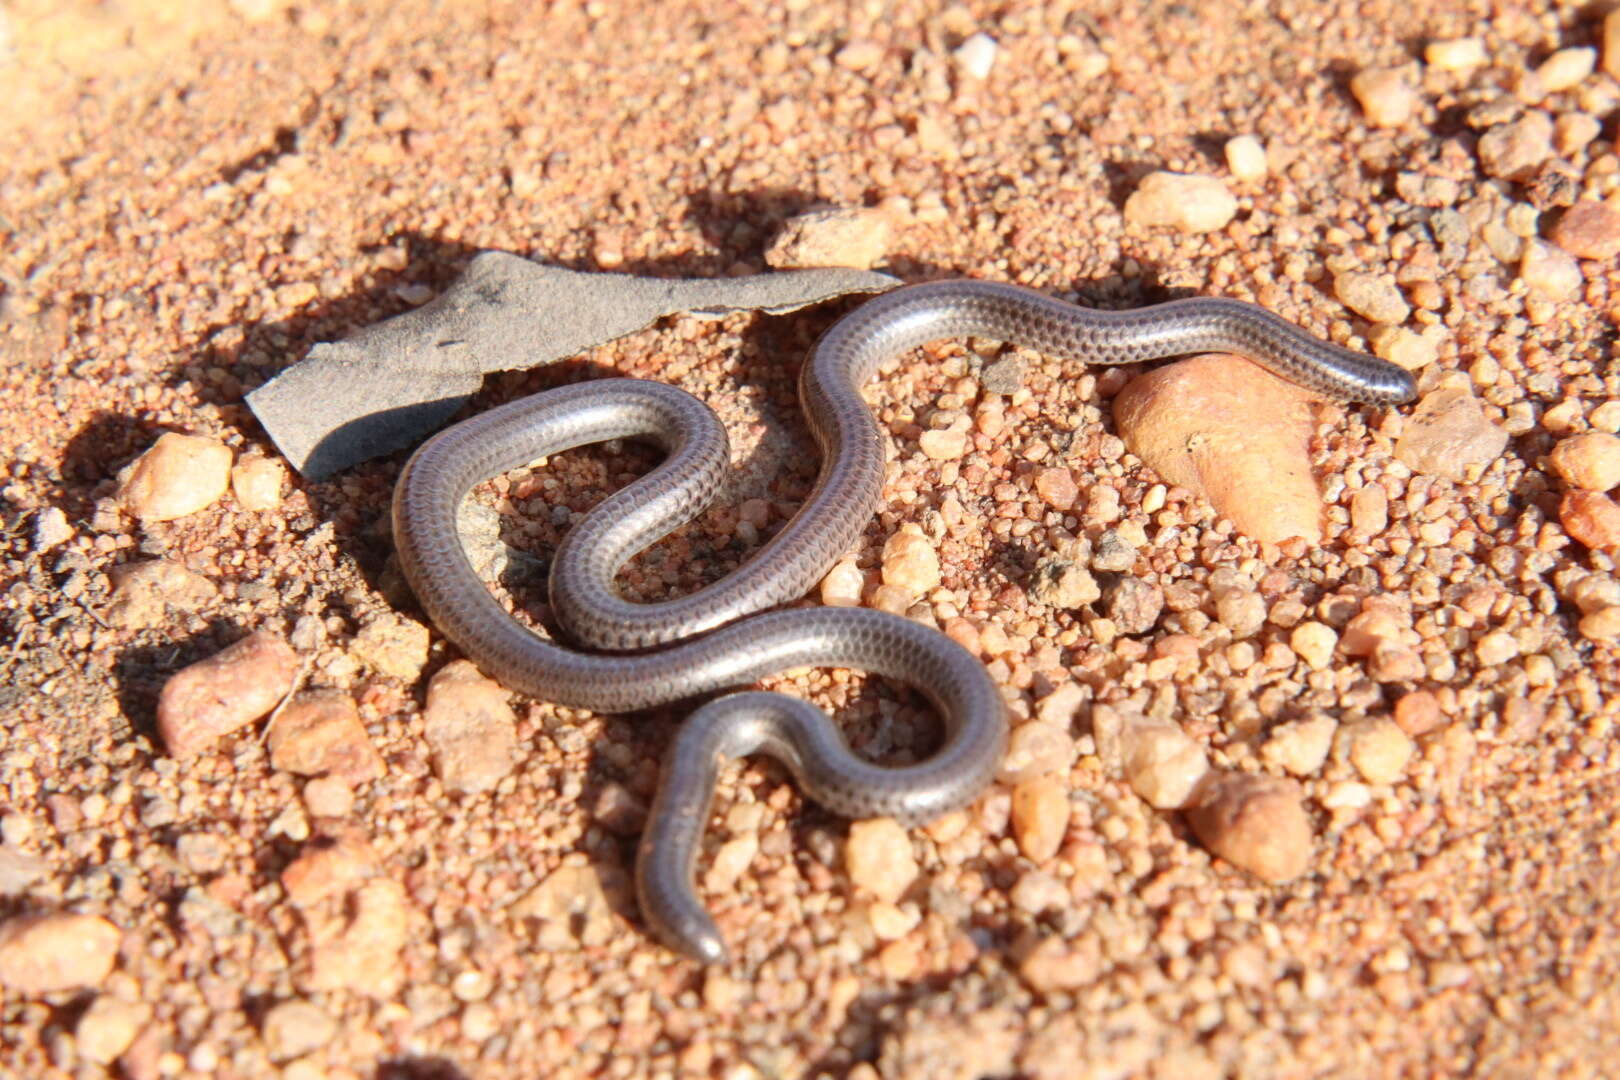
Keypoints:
(393, 383)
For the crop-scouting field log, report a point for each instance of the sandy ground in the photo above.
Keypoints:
(194, 194)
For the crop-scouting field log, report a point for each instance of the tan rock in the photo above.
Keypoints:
(470, 728)
(107, 1027)
(1590, 460)
(393, 645)
(1447, 434)
(41, 954)
(1592, 518)
(1386, 96)
(1588, 230)
(257, 481)
(294, 1028)
(355, 946)
(1374, 297)
(879, 858)
(1189, 202)
(1163, 764)
(320, 732)
(843, 585)
(910, 561)
(1035, 749)
(1378, 748)
(1254, 822)
(1040, 817)
(832, 237)
(179, 475)
(1455, 54)
(1550, 272)
(1302, 746)
(1246, 157)
(1514, 151)
(1566, 68)
(144, 593)
(1232, 432)
(227, 691)
(574, 907)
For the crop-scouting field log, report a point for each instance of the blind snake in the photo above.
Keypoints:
(655, 654)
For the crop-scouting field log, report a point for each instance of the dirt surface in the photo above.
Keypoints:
(193, 194)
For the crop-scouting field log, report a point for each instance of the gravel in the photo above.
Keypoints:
(180, 227)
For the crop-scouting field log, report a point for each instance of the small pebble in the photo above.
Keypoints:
(946, 444)
(144, 593)
(1059, 707)
(1369, 509)
(357, 948)
(1301, 746)
(1036, 891)
(1419, 712)
(257, 481)
(1056, 487)
(976, 56)
(51, 529)
(1040, 817)
(910, 561)
(1447, 434)
(1163, 764)
(1134, 605)
(227, 691)
(1036, 748)
(107, 1027)
(1113, 553)
(1372, 296)
(179, 475)
(832, 237)
(1246, 157)
(879, 858)
(1242, 611)
(843, 585)
(1257, 823)
(730, 862)
(1313, 642)
(1588, 230)
(319, 732)
(294, 1028)
(860, 54)
(1590, 460)
(1591, 518)
(393, 645)
(1573, 131)
(1398, 345)
(328, 797)
(1455, 54)
(1566, 68)
(571, 909)
(20, 871)
(1193, 203)
(1516, 150)
(1549, 271)
(1601, 625)
(1495, 648)
(1061, 583)
(40, 954)
(1377, 747)
(1386, 96)
(470, 728)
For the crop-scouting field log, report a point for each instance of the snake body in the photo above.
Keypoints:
(655, 654)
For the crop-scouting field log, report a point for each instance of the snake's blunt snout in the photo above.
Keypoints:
(734, 649)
